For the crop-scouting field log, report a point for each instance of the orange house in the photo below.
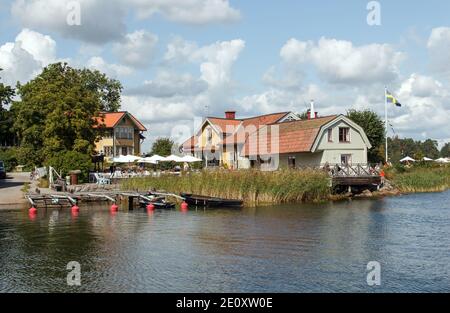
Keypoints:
(120, 133)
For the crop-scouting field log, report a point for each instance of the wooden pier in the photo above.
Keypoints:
(60, 200)
(357, 175)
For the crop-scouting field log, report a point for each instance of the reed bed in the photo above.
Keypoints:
(434, 179)
(252, 186)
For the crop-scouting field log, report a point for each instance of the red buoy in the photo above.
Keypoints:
(150, 207)
(114, 207)
(75, 209)
(32, 210)
(184, 206)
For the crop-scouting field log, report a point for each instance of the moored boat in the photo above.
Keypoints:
(205, 201)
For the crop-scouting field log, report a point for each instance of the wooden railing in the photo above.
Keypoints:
(347, 170)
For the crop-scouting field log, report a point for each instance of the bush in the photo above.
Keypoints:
(9, 157)
(71, 160)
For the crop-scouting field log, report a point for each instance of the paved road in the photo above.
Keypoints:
(11, 189)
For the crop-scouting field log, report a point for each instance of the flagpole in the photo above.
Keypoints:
(386, 121)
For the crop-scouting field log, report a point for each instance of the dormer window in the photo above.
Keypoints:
(330, 134)
(344, 134)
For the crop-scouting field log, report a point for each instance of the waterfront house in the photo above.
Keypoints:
(312, 142)
(120, 133)
(282, 139)
(219, 140)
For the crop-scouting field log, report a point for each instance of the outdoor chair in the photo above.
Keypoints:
(102, 180)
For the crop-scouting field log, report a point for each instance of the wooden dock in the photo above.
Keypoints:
(60, 200)
(357, 175)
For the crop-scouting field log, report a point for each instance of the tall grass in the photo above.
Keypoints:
(423, 179)
(254, 187)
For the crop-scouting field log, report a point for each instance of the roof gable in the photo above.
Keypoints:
(293, 136)
(111, 119)
(348, 121)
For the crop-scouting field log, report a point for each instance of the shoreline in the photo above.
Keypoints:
(12, 196)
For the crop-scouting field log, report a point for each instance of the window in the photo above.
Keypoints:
(209, 135)
(330, 135)
(291, 162)
(344, 134)
(346, 159)
(124, 133)
(108, 150)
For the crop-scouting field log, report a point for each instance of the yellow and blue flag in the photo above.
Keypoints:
(391, 99)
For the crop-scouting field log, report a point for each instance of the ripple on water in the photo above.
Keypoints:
(288, 248)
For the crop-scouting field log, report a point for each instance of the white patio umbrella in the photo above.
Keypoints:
(155, 158)
(147, 160)
(126, 159)
(173, 158)
(442, 160)
(407, 159)
(190, 159)
(427, 159)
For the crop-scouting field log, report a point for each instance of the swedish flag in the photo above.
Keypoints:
(391, 99)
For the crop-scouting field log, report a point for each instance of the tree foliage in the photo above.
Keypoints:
(445, 151)
(57, 109)
(6, 118)
(162, 147)
(374, 128)
(71, 160)
(400, 148)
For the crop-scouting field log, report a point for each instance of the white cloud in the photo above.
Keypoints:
(104, 20)
(42, 47)
(168, 84)
(23, 59)
(216, 60)
(438, 47)
(101, 20)
(188, 11)
(110, 69)
(136, 49)
(340, 62)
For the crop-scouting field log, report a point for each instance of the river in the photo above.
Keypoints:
(290, 248)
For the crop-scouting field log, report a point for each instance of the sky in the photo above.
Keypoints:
(181, 60)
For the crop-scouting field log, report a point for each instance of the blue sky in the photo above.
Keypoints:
(179, 60)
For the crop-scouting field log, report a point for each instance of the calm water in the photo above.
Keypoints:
(302, 248)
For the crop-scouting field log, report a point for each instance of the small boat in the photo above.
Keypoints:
(205, 201)
(158, 202)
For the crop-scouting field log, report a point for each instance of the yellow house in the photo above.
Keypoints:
(120, 134)
(219, 141)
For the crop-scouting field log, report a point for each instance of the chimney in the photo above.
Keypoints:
(231, 115)
(312, 113)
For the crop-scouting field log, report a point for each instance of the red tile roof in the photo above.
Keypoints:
(292, 137)
(110, 120)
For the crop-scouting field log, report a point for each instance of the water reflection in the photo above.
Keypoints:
(322, 247)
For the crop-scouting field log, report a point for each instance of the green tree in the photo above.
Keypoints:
(374, 128)
(57, 109)
(429, 148)
(6, 118)
(162, 147)
(445, 151)
(71, 160)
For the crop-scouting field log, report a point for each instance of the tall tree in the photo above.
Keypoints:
(430, 149)
(6, 118)
(162, 147)
(374, 128)
(445, 151)
(57, 109)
